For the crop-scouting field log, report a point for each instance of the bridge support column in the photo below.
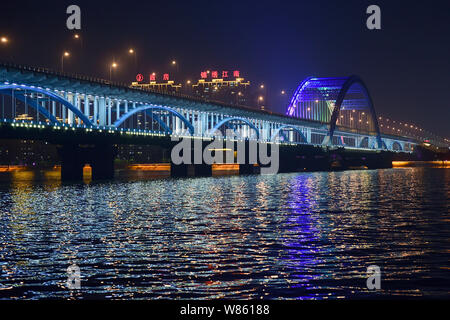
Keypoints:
(199, 169)
(86, 105)
(190, 170)
(71, 163)
(74, 157)
(102, 111)
(102, 162)
(250, 163)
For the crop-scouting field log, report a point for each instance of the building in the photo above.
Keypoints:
(225, 86)
(165, 85)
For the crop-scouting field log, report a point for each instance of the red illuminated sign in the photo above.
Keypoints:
(236, 73)
(152, 77)
(224, 74)
(139, 77)
(214, 74)
(203, 75)
(166, 76)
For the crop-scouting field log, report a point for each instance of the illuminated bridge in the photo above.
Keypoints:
(324, 113)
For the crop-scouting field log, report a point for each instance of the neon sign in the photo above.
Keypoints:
(139, 77)
(215, 74)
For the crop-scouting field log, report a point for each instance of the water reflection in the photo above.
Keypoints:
(289, 236)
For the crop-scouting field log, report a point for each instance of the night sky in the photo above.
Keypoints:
(279, 43)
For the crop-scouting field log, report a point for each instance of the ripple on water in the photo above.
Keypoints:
(288, 236)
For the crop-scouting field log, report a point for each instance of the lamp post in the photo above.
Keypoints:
(174, 64)
(111, 67)
(133, 52)
(4, 42)
(65, 54)
(77, 37)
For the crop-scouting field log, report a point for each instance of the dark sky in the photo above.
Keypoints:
(279, 43)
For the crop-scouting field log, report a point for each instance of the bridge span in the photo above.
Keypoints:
(323, 111)
(327, 113)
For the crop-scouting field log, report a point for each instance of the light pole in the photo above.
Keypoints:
(112, 66)
(4, 41)
(76, 36)
(65, 54)
(174, 63)
(133, 52)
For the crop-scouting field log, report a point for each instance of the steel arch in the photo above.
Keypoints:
(54, 97)
(340, 99)
(221, 123)
(277, 131)
(396, 143)
(153, 107)
(296, 96)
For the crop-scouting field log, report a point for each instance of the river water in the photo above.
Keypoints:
(286, 236)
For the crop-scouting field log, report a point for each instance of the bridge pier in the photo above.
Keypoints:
(190, 170)
(71, 163)
(74, 157)
(102, 162)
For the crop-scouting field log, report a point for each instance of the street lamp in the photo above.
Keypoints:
(112, 66)
(4, 40)
(175, 64)
(76, 36)
(65, 54)
(133, 52)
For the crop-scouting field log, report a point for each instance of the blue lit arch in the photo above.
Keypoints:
(51, 95)
(147, 108)
(278, 130)
(340, 99)
(322, 99)
(224, 121)
(396, 146)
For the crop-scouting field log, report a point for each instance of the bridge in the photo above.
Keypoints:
(324, 112)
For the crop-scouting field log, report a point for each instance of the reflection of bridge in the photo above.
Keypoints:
(323, 111)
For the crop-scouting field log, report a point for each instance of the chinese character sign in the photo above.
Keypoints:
(166, 77)
(139, 77)
(152, 77)
(215, 74)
